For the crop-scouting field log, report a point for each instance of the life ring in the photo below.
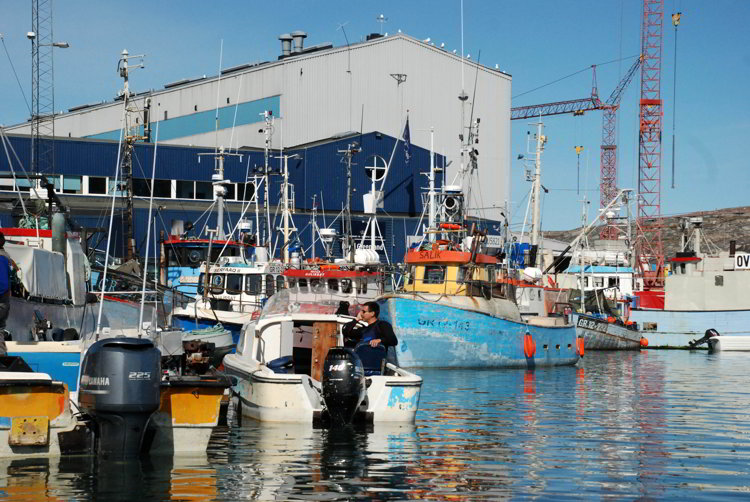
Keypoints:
(579, 346)
(529, 346)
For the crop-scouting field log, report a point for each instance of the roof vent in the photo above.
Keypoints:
(299, 40)
(286, 44)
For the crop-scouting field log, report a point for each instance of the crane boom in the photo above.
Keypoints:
(555, 108)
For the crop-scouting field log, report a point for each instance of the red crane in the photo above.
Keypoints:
(649, 250)
(608, 180)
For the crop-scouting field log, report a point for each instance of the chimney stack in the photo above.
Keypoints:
(299, 37)
(286, 44)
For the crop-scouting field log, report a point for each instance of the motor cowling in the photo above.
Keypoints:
(343, 383)
(119, 388)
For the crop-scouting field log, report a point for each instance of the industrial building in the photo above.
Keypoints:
(322, 99)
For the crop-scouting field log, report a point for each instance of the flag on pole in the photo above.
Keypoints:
(407, 143)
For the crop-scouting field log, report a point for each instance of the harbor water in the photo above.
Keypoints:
(622, 425)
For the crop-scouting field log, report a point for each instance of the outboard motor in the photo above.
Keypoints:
(119, 388)
(343, 384)
(700, 341)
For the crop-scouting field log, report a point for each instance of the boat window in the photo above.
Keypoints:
(598, 282)
(410, 275)
(491, 275)
(333, 285)
(362, 286)
(346, 285)
(302, 283)
(253, 284)
(234, 284)
(201, 282)
(291, 281)
(279, 282)
(434, 274)
(612, 282)
(269, 285)
(316, 286)
(173, 257)
(462, 276)
(585, 282)
(194, 256)
(217, 283)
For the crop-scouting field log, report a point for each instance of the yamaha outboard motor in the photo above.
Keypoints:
(119, 388)
(343, 384)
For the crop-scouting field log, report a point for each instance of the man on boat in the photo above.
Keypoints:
(376, 332)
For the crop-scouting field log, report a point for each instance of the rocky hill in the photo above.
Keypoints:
(719, 227)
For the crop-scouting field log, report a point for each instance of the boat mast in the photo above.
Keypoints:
(132, 135)
(351, 150)
(432, 215)
(536, 186)
(313, 226)
(268, 131)
(218, 181)
(286, 213)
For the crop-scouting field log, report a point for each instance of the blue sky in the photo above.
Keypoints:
(536, 42)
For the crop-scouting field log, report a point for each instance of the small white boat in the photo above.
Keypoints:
(291, 362)
(718, 343)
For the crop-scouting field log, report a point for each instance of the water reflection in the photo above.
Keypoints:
(650, 425)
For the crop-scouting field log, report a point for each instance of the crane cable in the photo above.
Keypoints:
(675, 23)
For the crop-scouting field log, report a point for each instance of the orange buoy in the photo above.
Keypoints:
(579, 346)
(644, 341)
(529, 345)
(610, 319)
(450, 226)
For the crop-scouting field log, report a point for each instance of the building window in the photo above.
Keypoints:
(434, 274)
(116, 187)
(247, 191)
(204, 190)
(140, 188)
(72, 184)
(185, 189)
(97, 185)
(230, 195)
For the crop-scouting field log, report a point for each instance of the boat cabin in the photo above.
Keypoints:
(450, 272)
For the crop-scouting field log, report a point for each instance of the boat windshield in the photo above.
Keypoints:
(288, 301)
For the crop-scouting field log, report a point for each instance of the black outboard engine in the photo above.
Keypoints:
(710, 333)
(343, 384)
(119, 388)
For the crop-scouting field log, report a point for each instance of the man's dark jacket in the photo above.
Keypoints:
(383, 330)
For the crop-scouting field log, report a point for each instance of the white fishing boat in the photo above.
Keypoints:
(706, 289)
(291, 366)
